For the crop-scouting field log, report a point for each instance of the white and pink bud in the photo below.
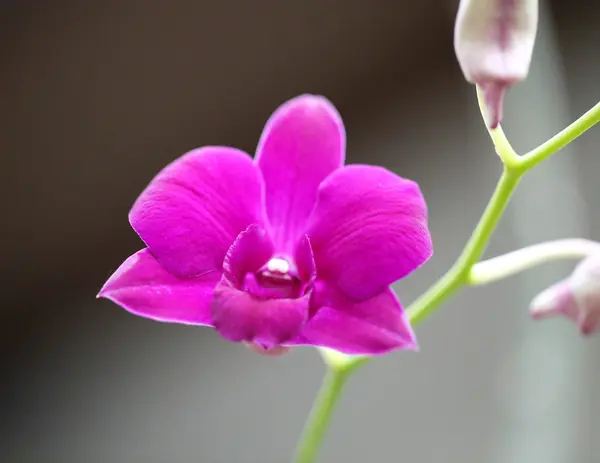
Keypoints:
(494, 40)
(577, 297)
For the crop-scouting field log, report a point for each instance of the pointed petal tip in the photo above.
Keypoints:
(414, 348)
(428, 251)
(543, 305)
(104, 292)
(374, 327)
(409, 338)
(558, 299)
(409, 345)
(144, 288)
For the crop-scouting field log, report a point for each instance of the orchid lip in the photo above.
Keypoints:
(263, 297)
(277, 279)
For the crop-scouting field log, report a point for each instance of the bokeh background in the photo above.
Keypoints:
(96, 97)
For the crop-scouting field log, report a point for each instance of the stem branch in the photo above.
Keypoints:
(463, 272)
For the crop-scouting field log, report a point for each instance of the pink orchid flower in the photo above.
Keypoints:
(289, 248)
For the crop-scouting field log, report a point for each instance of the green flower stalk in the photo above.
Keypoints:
(466, 271)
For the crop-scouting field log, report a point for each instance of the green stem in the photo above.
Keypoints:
(457, 277)
(320, 415)
(561, 139)
(458, 274)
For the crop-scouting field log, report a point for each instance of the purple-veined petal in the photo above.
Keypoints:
(196, 207)
(302, 143)
(238, 316)
(369, 229)
(375, 326)
(143, 287)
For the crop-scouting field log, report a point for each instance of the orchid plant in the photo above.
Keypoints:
(292, 248)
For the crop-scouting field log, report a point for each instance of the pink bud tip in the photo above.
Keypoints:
(493, 96)
(556, 300)
(577, 297)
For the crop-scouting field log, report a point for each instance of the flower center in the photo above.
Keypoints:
(278, 267)
(277, 279)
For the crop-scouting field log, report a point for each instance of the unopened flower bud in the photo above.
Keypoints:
(493, 40)
(577, 297)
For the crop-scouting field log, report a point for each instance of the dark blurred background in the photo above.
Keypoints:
(96, 97)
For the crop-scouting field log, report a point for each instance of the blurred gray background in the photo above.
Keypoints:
(96, 97)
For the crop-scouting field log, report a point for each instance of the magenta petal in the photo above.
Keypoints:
(375, 326)
(302, 143)
(143, 287)
(238, 316)
(195, 208)
(369, 229)
(251, 250)
(305, 261)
